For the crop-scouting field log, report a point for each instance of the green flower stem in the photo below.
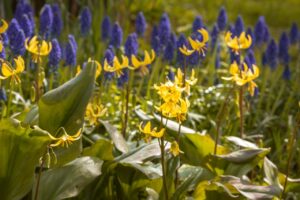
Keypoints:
(40, 174)
(11, 87)
(163, 166)
(219, 119)
(241, 94)
(291, 142)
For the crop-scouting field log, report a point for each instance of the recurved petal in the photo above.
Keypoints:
(6, 70)
(3, 27)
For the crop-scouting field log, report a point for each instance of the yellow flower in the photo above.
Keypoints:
(94, 112)
(117, 67)
(65, 139)
(188, 82)
(175, 149)
(8, 71)
(197, 45)
(238, 43)
(38, 48)
(243, 75)
(169, 91)
(143, 63)
(184, 50)
(3, 26)
(181, 110)
(151, 133)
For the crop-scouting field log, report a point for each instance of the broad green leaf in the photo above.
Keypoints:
(271, 173)
(68, 181)
(242, 156)
(190, 177)
(141, 114)
(141, 154)
(102, 149)
(197, 147)
(116, 137)
(65, 106)
(174, 126)
(20, 151)
(240, 142)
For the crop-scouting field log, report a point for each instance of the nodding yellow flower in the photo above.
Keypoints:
(117, 67)
(8, 71)
(244, 74)
(238, 43)
(65, 139)
(143, 63)
(184, 50)
(38, 48)
(3, 26)
(98, 67)
(169, 91)
(175, 149)
(151, 133)
(181, 110)
(94, 112)
(188, 82)
(197, 45)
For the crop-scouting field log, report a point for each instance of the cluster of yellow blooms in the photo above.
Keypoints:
(242, 74)
(118, 66)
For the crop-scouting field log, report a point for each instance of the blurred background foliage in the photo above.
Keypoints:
(278, 14)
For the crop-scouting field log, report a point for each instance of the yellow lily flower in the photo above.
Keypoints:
(184, 50)
(175, 149)
(3, 26)
(238, 43)
(143, 63)
(94, 112)
(169, 91)
(197, 45)
(243, 76)
(188, 82)
(117, 67)
(151, 133)
(8, 71)
(65, 139)
(38, 48)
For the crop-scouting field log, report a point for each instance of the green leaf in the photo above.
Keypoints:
(271, 173)
(102, 149)
(240, 142)
(197, 147)
(65, 106)
(116, 137)
(174, 126)
(68, 181)
(141, 154)
(141, 114)
(242, 156)
(20, 151)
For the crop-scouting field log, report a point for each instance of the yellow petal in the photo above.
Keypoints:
(6, 70)
(3, 27)
(135, 62)
(204, 34)
(19, 64)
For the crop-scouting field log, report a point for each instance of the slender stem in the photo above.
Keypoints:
(292, 142)
(176, 181)
(220, 116)
(184, 71)
(11, 86)
(37, 78)
(241, 94)
(126, 107)
(39, 176)
(162, 150)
